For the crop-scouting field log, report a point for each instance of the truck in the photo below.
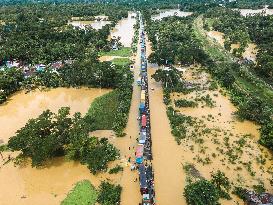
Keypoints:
(142, 179)
(143, 121)
(142, 96)
(142, 137)
(139, 153)
(142, 109)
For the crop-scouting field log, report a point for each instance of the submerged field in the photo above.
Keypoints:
(216, 139)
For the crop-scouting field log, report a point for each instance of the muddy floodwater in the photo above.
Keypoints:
(250, 52)
(265, 11)
(94, 24)
(170, 12)
(215, 150)
(125, 30)
(49, 185)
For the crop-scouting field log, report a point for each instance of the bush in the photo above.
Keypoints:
(116, 169)
(240, 192)
(222, 183)
(185, 103)
(201, 192)
(109, 194)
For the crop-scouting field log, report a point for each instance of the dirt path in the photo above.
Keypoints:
(169, 175)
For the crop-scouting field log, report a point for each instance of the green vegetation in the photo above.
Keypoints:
(116, 169)
(83, 193)
(201, 192)
(123, 52)
(10, 81)
(122, 61)
(174, 45)
(251, 95)
(52, 135)
(109, 194)
(136, 35)
(102, 111)
(27, 25)
(185, 103)
(245, 31)
(222, 184)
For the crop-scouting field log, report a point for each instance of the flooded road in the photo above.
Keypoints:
(48, 185)
(125, 30)
(131, 193)
(170, 12)
(217, 149)
(167, 155)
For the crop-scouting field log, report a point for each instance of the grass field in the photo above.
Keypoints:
(123, 52)
(102, 111)
(121, 61)
(83, 193)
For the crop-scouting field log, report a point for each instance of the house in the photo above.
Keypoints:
(40, 67)
(56, 65)
(11, 64)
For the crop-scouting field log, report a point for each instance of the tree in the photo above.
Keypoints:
(222, 183)
(109, 194)
(201, 192)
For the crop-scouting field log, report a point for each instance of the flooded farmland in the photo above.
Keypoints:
(26, 185)
(125, 30)
(217, 148)
(214, 151)
(170, 12)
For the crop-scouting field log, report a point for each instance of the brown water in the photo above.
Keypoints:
(21, 107)
(26, 185)
(130, 193)
(250, 51)
(125, 30)
(218, 36)
(169, 157)
(94, 24)
(245, 12)
(226, 122)
(170, 12)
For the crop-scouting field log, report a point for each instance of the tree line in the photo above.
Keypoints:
(173, 40)
(252, 28)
